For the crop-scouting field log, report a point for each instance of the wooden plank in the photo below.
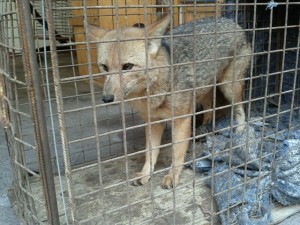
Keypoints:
(115, 192)
(106, 17)
(82, 57)
(92, 14)
(202, 10)
(79, 33)
(113, 173)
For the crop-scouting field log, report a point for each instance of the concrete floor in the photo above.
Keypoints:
(7, 214)
(8, 217)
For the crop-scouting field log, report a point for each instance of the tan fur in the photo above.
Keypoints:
(155, 83)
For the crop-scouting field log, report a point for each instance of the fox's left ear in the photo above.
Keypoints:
(156, 30)
(96, 33)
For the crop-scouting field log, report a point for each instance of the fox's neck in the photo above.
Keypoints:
(159, 81)
(160, 77)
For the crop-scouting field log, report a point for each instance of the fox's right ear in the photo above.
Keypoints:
(96, 33)
(156, 30)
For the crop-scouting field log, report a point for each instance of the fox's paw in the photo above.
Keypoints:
(207, 118)
(168, 182)
(141, 179)
(240, 128)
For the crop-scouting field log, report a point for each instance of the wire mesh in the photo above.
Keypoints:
(97, 148)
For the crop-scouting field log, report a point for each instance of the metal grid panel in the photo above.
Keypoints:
(97, 148)
(17, 117)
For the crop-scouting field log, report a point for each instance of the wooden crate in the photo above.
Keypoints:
(105, 18)
(203, 9)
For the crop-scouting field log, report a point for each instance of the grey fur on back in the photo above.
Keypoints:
(205, 40)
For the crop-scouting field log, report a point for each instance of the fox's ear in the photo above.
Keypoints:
(156, 30)
(96, 33)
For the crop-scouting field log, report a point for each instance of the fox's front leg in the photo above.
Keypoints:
(182, 132)
(151, 153)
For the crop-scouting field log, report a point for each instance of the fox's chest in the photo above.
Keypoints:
(165, 110)
(156, 112)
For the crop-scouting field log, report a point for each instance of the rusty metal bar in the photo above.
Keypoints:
(4, 118)
(37, 108)
(60, 110)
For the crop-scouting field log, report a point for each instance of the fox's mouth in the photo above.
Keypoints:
(131, 86)
(107, 98)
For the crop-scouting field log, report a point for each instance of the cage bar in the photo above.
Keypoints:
(77, 160)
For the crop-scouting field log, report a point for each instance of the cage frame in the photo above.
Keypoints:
(39, 119)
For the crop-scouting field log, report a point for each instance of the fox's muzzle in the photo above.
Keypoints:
(108, 98)
(110, 89)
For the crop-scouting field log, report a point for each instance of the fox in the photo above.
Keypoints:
(162, 74)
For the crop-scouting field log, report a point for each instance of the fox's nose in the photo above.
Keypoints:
(108, 98)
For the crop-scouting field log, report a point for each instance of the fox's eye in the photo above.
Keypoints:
(127, 66)
(105, 68)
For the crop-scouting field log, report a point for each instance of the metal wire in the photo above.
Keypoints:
(96, 146)
(52, 119)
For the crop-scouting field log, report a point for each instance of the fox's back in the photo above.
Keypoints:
(211, 44)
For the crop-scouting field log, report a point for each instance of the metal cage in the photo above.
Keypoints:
(74, 157)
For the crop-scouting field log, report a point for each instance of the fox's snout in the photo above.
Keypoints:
(108, 98)
(111, 89)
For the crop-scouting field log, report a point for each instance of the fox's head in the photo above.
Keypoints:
(126, 56)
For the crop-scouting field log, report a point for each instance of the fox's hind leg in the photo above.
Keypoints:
(234, 86)
(234, 95)
(151, 154)
(207, 103)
